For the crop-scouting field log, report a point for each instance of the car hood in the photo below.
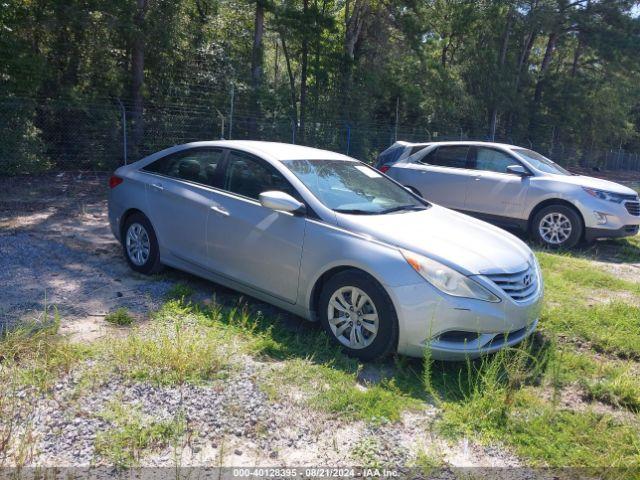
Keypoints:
(468, 245)
(597, 183)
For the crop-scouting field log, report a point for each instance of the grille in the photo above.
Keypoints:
(633, 208)
(631, 229)
(519, 286)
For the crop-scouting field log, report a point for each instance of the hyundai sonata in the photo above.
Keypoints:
(330, 239)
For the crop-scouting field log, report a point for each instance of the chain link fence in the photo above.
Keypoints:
(38, 135)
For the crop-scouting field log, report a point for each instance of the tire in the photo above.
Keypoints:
(376, 310)
(140, 227)
(563, 224)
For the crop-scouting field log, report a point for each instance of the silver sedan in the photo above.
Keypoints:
(330, 239)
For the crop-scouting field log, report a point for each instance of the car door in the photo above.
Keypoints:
(179, 197)
(247, 242)
(442, 175)
(494, 191)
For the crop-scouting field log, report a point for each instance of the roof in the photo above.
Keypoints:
(466, 142)
(276, 150)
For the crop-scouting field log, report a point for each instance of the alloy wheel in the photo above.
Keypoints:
(138, 244)
(353, 317)
(555, 228)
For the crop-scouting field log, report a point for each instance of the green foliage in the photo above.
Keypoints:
(180, 291)
(120, 317)
(174, 350)
(36, 355)
(454, 67)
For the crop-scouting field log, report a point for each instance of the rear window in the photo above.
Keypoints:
(390, 155)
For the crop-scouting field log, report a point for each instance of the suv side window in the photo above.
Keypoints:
(196, 165)
(449, 156)
(491, 160)
(249, 177)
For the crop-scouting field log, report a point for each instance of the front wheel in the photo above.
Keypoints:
(358, 315)
(557, 226)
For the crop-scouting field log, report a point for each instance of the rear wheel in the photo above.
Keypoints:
(140, 245)
(557, 226)
(358, 315)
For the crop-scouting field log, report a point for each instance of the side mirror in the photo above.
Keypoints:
(282, 202)
(518, 170)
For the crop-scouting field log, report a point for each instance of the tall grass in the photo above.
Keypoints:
(32, 359)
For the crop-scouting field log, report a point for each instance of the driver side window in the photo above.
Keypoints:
(249, 177)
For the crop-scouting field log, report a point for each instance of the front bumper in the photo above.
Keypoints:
(620, 222)
(591, 234)
(430, 319)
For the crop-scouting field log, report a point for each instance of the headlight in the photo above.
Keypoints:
(446, 279)
(603, 195)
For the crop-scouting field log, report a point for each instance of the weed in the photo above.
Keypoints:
(171, 353)
(180, 291)
(120, 317)
(618, 387)
(132, 434)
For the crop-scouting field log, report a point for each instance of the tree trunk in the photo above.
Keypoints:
(137, 74)
(501, 61)
(354, 21)
(292, 79)
(303, 73)
(257, 55)
(544, 67)
(316, 83)
(578, 51)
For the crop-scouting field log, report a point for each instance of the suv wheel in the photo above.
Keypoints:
(557, 226)
(140, 245)
(358, 315)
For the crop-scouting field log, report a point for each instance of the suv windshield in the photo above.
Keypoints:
(352, 187)
(540, 162)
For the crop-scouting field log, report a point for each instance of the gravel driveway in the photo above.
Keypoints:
(56, 249)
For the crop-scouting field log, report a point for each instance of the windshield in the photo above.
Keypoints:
(352, 187)
(540, 162)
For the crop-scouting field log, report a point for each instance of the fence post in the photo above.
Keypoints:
(397, 118)
(231, 110)
(348, 137)
(221, 117)
(124, 130)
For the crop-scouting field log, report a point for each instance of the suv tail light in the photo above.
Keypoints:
(114, 181)
(384, 168)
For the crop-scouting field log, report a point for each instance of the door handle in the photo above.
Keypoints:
(158, 186)
(220, 210)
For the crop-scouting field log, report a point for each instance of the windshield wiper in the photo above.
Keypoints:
(403, 208)
(355, 211)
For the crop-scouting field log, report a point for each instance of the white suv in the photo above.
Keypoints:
(516, 187)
